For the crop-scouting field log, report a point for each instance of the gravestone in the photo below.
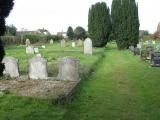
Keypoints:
(136, 51)
(80, 43)
(68, 69)
(28, 43)
(88, 46)
(11, 67)
(63, 43)
(51, 41)
(139, 45)
(36, 50)
(29, 50)
(155, 59)
(131, 48)
(38, 68)
(73, 44)
(43, 46)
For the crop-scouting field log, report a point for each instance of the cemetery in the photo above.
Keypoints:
(106, 68)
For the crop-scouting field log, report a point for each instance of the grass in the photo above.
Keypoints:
(121, 87)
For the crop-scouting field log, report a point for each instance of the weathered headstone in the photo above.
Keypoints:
(155, 59)
(38, 68)
(80, 43)
(88, 46)
(63, 43)
(28, 42)
(29, 50)
(136, 51)
(68, 69)
(73, 44)
(51, 41)
(43, 46)
(36, 50)
(139, 46)
(11, 67)
(131, 48)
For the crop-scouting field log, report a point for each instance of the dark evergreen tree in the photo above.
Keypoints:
(99, 24)
(11, 30)
(125, 22)
(70, 33)
(80, 33)
(5, 7)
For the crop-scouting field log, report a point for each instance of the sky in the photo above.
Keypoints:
(58, 15)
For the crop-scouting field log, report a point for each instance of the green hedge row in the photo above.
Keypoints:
(16, 40)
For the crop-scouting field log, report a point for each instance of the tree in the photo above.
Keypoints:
(80, 33)
(70, 33)
(5, 8)
(99, 24)
(125, 22)
(11, 30)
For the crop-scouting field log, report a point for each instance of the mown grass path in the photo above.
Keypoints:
(121, 88)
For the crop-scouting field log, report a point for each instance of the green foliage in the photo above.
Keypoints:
(11, 30)
(70, 33)
(125, 23)
(99, 24)
(80, 33)
(5, 8)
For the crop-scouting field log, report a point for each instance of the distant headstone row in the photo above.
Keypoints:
(68, 68)
(149, 52)
(87, 45)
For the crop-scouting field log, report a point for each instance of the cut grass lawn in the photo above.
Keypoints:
(122, 87)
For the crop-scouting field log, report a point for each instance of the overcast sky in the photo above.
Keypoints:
(57, 15)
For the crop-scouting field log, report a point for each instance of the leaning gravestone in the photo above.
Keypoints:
(68, 69)
(11, 67)
(73, 44)
(63, 43)
(38, 68)
(28, 43)
(29, 50)
(51, 41)
(80, 43)
(88, 46)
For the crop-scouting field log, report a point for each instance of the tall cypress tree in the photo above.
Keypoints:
(5, 7)
(99, 24)
(125, 22)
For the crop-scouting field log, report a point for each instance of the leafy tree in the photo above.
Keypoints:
(11, 30)
(5, 8)
(80, 33)
(99, 24)
(70, 33)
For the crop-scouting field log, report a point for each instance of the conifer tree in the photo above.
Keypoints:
(99, 24)
(70, 33)
(5, 7)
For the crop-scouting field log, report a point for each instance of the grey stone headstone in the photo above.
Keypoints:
(36, 50)
(68, 69)
(63, 43)
(88, 46)
(29, 50)
(43, 46)
(51, 41)
(73, 44)
(28, 42)
(38, 68)
(11, 67)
